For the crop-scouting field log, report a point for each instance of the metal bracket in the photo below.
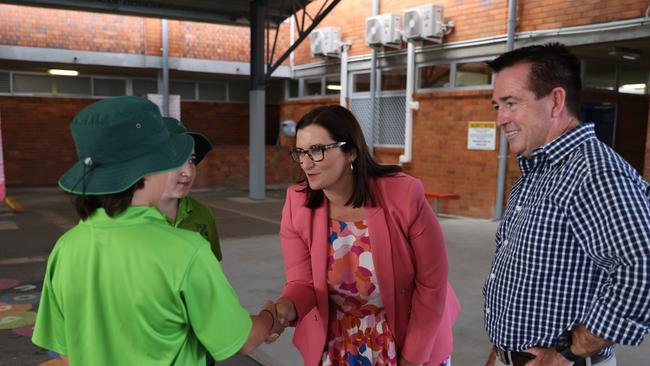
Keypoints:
(303, 31)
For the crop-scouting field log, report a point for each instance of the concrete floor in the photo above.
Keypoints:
(253, 263)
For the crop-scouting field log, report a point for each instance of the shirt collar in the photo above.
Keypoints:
(185, 207)
(133, 214)
(558, 149)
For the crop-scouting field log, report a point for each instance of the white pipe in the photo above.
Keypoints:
(291, 40)
(344, 76)
(410, 104)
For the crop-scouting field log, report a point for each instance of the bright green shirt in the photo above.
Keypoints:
(195, 216)
(133, 290)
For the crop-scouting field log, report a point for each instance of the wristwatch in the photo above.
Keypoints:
(563, 347)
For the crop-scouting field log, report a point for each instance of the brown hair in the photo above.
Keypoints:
(342, 126)
(114, 204)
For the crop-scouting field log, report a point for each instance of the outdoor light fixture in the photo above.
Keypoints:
(63, 72)
(626, 53)
(333, 87)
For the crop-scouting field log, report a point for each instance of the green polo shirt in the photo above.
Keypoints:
(195, 216)
(133, 290)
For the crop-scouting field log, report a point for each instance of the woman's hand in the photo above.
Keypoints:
(404, 362)
(286, 311)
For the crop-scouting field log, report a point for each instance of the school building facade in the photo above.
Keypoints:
(121, 55)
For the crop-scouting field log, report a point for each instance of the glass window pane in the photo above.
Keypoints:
(72, 85)
(393, 79)
(333, 85)
(633, 81)
(274, 91)
(473, 73)
(361, 82)
(293, 88)
(183, 88)
(209, 91)
(434, 76)
(312, 87)
(599, 75)
(142, 87)
(109, 87)
(238, 91)
(32, 83)
(4, 82)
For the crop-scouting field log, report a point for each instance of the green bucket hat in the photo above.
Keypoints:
(119, 141)
(202, 144)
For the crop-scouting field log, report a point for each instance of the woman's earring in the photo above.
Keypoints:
(351, 166)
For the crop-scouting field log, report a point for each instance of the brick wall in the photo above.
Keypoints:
(441, 158)
(38, 147)
(545, 14)
(76, 30)
(475, 18)
(228, 166)
(227, 123)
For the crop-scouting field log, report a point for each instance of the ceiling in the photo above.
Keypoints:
(603, 51)
(231, 12)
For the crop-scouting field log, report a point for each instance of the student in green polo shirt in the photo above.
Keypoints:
(123, 287)
(182, 210)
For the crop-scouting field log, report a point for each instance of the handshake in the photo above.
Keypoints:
(281, 313)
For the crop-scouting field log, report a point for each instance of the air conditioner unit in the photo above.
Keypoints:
(325, 42)
(383, 30)
(424, 22)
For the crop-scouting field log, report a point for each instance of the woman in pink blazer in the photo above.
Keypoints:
(365, 259)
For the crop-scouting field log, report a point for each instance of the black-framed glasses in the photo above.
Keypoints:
(316, 153)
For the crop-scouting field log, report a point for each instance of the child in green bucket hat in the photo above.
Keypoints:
(182, 210)
(123, 287)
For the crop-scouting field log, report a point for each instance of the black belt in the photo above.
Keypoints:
(515, 358)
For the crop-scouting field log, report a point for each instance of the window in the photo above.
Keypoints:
(72, 85)
(361, 82)
(313, 87)
(142, 87)
(5, 86)
(434, 76)
(238, 91)
(332, 85)
(599, 75)
(186, 89)
(473, 74)
(212, 91)
(109, 87)
(26, 83)
(393, 79)
(294, 85)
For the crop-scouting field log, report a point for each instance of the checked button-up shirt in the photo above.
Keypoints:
(573, 248)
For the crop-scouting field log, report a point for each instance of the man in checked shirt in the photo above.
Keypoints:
(571, 273)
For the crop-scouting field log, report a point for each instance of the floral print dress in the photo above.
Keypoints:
(358, 332)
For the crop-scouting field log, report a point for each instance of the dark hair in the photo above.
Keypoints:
(552, 65)
(344, 127)
(114, 204)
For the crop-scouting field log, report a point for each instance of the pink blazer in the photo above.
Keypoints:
(410, 258)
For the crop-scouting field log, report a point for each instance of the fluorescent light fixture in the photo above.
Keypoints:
(333, 87)
(63, 72)
(633, 88)
(626, 53)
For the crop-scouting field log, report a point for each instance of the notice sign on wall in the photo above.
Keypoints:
(482, 136)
